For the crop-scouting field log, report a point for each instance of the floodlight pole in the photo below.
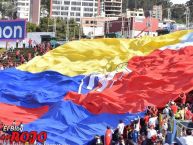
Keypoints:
(187, 17)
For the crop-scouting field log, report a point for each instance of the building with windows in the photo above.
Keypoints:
(23, 9)
(29, 10)
(136, 13)
(73, 9)
(113, 8)
(132, 27)
(95, 26)
(143, 27)
(117, 28)
(157, 12)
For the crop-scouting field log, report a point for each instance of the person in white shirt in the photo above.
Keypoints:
(120, 127)
(151, 132)
(153, 121)
(1, 67)
(21, 126)
(166, 110)
(151, 135)
(188, 139)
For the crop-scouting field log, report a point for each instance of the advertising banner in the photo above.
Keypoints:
(12, 29)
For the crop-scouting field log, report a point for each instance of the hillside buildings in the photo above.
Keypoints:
(77, 9)
(157, 12)
(73, 9)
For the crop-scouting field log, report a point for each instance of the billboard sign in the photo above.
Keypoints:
(12, 29)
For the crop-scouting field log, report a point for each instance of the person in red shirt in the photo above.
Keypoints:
(47, 49)
(22, 59)
(30, 43)
(1, 125)
(17, 54)
(108, 136)
(154, 110)
(146, 118)
(29, 56)
(35, 49)
(188, 114)
(10, 64)
(182, 97)
(174, 108)
(41, 50)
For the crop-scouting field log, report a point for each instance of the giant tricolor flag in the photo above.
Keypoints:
(74, 91)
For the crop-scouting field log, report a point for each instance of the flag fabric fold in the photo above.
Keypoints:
(68, 123)
(22, 114)
(162, 74)
(33, 90)
(74, 91)
(98, 55)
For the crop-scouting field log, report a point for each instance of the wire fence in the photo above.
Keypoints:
(182, 126)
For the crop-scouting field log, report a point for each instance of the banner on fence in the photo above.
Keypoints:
(12, 29)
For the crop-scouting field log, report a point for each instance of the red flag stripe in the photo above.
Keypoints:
(8, 113)
(155, 80)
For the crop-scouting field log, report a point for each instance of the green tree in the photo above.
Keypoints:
(146, 5)
(31, 27)
(44, 22)
(73, 29)
(47, 25)
(190, 4)
(178, 13)
(45, 4)
(7, 8)
(60, 28)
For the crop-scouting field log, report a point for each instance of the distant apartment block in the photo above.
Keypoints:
(29, 10)
(111, 8)
(136, 13)
(95, 26)
(157, 12)
(73, 9)
(132, 27)
(23, 9)
(120, 27)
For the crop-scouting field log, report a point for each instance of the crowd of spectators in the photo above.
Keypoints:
(15, 57)
(153, 128)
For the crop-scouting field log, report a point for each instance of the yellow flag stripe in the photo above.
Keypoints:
(98, 55)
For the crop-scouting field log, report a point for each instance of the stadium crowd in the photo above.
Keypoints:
(15, 57)
(153, 128)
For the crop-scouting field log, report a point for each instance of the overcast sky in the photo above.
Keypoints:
(178, 1)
